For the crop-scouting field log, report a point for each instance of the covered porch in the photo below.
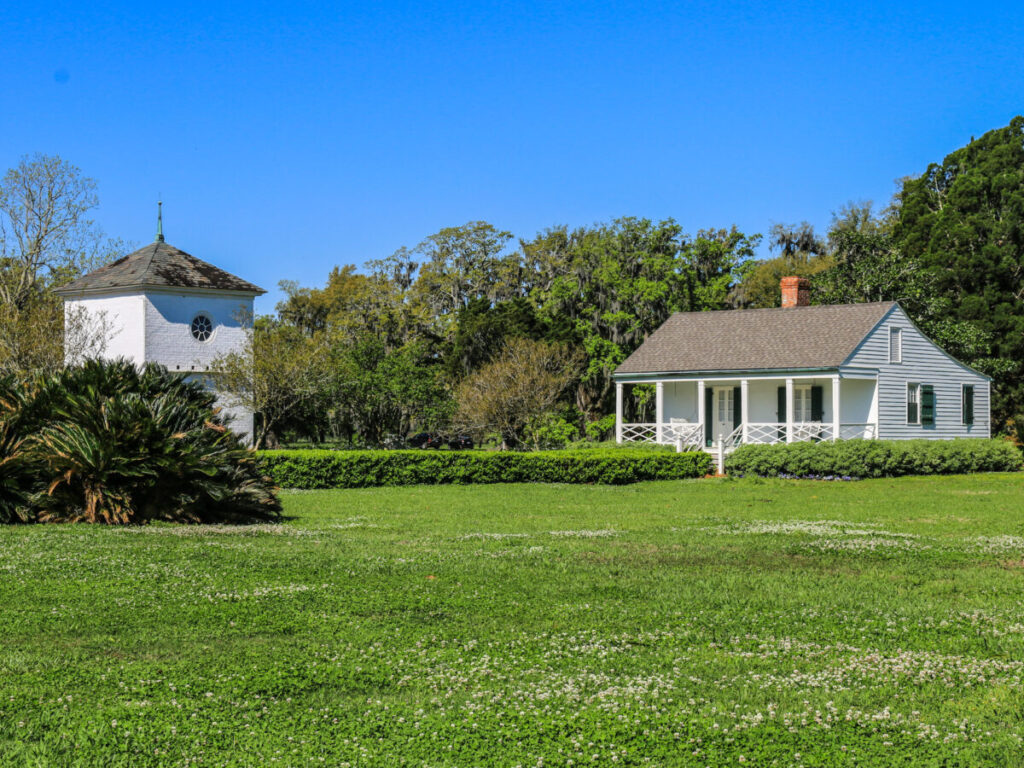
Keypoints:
(728, 411)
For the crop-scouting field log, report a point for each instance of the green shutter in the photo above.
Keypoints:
(968, 404)
(927, 405)
(817, 404)
(737, 406)
(781, 412)
(709, 412)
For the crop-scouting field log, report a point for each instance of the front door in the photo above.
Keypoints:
(723, 413)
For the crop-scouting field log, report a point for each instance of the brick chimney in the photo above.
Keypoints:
(796, 291)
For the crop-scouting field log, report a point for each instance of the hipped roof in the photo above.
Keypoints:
(160, 265)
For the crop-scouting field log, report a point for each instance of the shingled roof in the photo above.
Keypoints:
(159, 265)
(756, 339)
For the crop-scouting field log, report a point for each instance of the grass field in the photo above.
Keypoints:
(678, 623)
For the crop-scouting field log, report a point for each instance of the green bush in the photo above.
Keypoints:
(108, 442)
(15, 479)
(875, 458)
(365, 469)
(551, 432)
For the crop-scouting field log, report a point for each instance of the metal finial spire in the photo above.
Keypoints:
(159, 221)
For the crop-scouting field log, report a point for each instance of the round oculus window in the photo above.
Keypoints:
(202, 328)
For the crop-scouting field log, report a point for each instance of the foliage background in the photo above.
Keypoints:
(408, 342)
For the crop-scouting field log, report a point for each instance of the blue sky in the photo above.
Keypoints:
(285, 138)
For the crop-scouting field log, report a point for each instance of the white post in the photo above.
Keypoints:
(836, 421)
(700, 411)
(789, 410)
(720, 456)
(659, 411)
(875, 408)
(744, 408)
(988, 412)
(618, 411)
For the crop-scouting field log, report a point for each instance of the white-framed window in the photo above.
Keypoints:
(895, 345)
(802, 403)
(725, 404)
(913, 403)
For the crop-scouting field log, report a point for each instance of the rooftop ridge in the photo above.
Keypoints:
(781, 309)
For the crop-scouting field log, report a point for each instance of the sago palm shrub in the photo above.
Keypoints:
(15, 475)
(123, 445)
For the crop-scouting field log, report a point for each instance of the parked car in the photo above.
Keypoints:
(426, 440)
(460, 442)
(435, 440)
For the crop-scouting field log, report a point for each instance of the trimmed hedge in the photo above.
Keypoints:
(367, 469)
(875, 458)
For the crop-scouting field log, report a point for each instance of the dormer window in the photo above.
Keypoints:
(202, 327)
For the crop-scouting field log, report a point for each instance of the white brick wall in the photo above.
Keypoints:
(156, 326)
(124, 315)
(168, 321)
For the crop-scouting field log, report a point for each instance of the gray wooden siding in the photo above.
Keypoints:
(923, 363)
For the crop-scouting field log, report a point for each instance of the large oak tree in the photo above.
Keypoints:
(962, 220)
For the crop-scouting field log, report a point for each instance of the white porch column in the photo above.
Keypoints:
(789, 410)
(659, 411)
(618, 411)
(701, 409)
(836, 421)
(875, 409)
(744, 408)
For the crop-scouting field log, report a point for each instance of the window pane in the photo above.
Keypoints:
(802, 404)
(912, 403)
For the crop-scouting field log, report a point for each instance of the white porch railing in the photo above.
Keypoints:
(733, 439)
(690, 435)
(768, 433)
(759, 433)
(639, 433)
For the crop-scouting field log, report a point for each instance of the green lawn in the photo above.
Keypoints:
(676, 623)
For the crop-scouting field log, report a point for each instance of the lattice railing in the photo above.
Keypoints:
(691, 435)
(734, 438)
(760, 433)
(766, 433)
(812, 431)
(639, 433)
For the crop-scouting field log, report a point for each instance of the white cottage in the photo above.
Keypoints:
(800, 373)
(162, 305)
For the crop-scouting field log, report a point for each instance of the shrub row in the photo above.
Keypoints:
(365, 469)
(875, 458)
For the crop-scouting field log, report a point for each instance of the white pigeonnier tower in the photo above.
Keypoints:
(162, 305)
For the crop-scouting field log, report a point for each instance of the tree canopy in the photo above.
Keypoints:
(46, 240)
(408, 340)
(962, 221)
